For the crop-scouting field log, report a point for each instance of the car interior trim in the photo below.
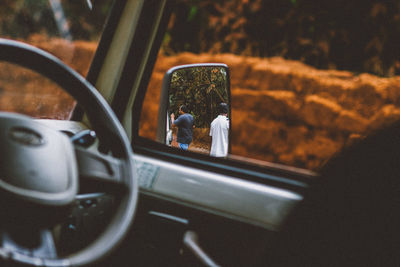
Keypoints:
(230, 197)
(111, 69)
(280, 177)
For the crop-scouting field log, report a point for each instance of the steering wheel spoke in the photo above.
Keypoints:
(99, 172)
(25, 244)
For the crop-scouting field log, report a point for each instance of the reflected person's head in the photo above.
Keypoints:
(183, 109)
(223, 108)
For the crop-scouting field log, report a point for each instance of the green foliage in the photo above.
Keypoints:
(21, 18)
(355, 35)
(201, 89)
(192, 13)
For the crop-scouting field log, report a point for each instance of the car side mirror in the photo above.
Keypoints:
(204, 91)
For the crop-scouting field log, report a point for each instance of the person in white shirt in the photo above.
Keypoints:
(219, 132)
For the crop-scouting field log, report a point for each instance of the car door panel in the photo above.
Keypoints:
(226, 196)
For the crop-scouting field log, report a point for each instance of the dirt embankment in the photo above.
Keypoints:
(282, 111)
(287, 112)
(27, 92)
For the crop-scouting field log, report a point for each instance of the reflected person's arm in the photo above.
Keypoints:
(173, 119)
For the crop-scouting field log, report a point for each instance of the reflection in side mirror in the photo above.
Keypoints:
(195, 109)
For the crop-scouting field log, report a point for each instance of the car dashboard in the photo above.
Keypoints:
(224, 213)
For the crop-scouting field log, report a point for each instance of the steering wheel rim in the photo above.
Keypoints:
(105, 123)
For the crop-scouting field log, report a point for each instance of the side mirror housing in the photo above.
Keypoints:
(201, 88)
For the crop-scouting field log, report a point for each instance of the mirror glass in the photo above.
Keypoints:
(197, 96)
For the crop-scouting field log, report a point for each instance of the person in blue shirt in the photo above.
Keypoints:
(185, 127)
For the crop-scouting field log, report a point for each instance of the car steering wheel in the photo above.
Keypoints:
(46, 187)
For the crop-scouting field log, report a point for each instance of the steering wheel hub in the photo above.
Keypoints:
(37, 163)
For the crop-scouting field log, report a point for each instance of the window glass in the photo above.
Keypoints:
(26, 92)
(306, 81)
(70, 30)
